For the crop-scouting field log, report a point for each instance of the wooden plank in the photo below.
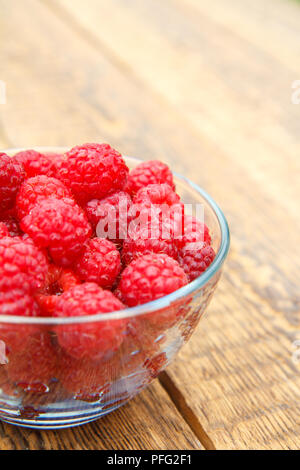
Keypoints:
(149, 421)
(254, 316)
(211, 76)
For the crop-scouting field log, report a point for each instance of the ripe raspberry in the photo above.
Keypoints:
(15, 302)
(11, 176)
(194, 230)
(58, 281)
(99, 263)
(110, 216)
(151, 277)
(151, 172)
(90, 340)
(3, 230)
(35, 364)
(93, 171)
(156, 194)
(59, 225)
(154, 237)
(37, 189)
(23, 266)
(195, 258)
(83, 379)
(35, 163)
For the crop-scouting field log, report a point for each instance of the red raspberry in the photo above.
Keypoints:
(22, 266)
(35, 163)
(99, 263)
(84, 379)
(110, 216)
(154, 237)
(93, 171)
(152, 172)
(156, 194)
(37, 189)
(11, 176)
(195, 258)
(151, 277)
(95, 339)
(58, 281)
(59, 225)
(15, 302)
(32, 367)
(3, 230)
(194, 230)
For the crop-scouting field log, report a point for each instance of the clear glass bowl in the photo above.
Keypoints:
(56, 391)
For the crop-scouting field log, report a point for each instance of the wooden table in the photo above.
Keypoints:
(207, 87)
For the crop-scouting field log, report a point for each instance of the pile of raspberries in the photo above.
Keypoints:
(55, 260)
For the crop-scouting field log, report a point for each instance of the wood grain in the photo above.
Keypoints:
(198, 86)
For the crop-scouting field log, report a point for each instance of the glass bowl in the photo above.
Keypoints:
(54, 390)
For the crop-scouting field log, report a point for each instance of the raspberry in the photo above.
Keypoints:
(37, 189)
(99, 263)
(194, 230)
(156, 194)
(34, 364)
(3, 230)
(93, 171)
(152, 172)
(195, 258)
(58, 281)
(59, 225)
(22, 266)
(11, 176)
(84, 379)
(15, 302)
(110, 216)
(154, 237)
(35, 163)
(90, 340)
(149, 278)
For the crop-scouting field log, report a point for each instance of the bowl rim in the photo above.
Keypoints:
(154, 305)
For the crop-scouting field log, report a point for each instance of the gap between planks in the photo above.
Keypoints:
(185, 411)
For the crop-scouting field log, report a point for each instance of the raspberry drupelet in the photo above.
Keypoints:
(151, 172)
(149, 278)
(91, 339)
(93, 171)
